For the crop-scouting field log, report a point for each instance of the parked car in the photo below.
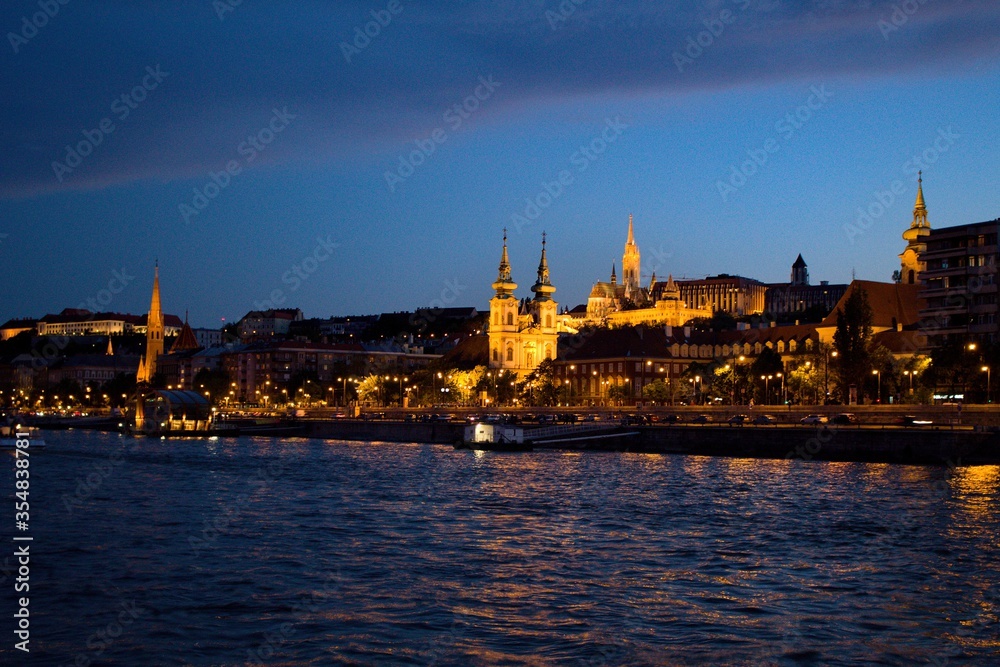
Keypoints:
(737, 420)
(762, 420)
(592, 418)
(671, 419)
(813, 419)
(844, 419)
(701, 419)
(442, 418)
(546, 419)
(634, 420)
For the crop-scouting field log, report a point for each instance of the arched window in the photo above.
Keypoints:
(548, 320)
(510, 354)
(548, 351)
(510, 319)
(910, 279)
(496, 355)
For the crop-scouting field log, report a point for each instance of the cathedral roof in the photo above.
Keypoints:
(607, 290)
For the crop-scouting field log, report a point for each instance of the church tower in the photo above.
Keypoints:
(800, 272)
(504, 316)
(154, 333)
(916, 239)
(630, 260)
(543, 307)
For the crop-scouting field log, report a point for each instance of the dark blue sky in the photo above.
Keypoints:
(310, 128)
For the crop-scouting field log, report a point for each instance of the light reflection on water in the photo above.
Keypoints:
(311, 552)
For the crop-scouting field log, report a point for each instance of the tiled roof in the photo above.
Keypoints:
(891, 303)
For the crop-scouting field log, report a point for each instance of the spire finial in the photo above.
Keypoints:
(919, 208)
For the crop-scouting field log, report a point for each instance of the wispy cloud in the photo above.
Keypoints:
(227, 75)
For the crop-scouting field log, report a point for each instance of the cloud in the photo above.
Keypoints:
(227, 75)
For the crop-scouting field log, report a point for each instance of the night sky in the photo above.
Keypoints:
(272, 153)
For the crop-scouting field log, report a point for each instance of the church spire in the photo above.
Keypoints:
(614, 275)
(154, 303)
(630, 259)
(919, 208)
(154, 332)
(504, 286)
(543, 288)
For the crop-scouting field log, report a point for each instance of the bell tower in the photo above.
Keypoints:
(630, 260)
(504, 352)
(910, 264)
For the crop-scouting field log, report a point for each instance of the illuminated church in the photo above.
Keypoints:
(910, 264)
(522, 334)
(613, 303)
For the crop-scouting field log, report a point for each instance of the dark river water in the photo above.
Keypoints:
(290, 552)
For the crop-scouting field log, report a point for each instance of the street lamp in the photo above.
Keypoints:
(986, 369)
(912, 373)
(767, 393)
(826, 374)
(879, 374)
(782, 376)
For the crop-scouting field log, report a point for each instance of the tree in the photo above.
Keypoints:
(540, 386)
(370, 388)
(215, 382)
(805, 382)
(851, 340)
(657, 390)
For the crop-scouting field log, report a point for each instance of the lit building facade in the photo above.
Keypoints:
(629, 303)
(522, 334)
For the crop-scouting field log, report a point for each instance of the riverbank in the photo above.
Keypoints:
(950, 446)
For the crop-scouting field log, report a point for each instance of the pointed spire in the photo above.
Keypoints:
(504, 286)
(543, 266)
(154, 303)
(543, 288)
(614, 276)
(919, 208)
(111, 350)
(631, 235)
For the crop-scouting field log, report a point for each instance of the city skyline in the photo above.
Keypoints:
(358, 155)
